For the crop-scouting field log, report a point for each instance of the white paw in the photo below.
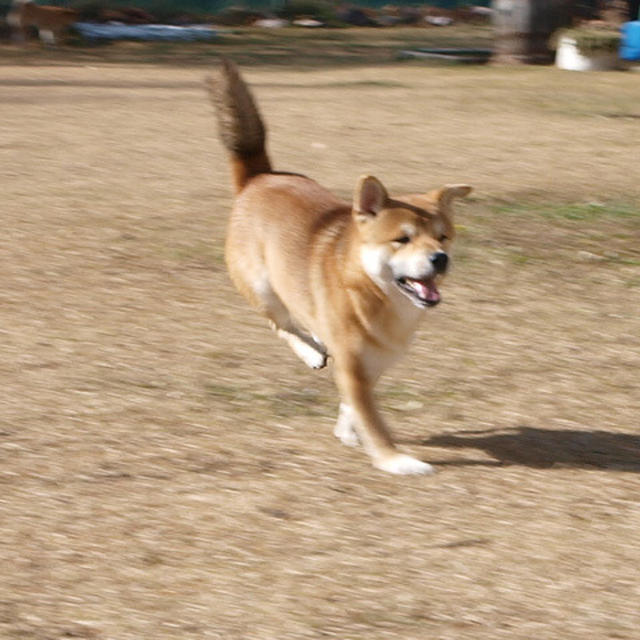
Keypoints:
(344, 429)
(403, 464)
(309, 355)
(314, 359)
(346, 434)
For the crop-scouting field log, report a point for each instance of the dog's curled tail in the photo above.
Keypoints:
(239, 124)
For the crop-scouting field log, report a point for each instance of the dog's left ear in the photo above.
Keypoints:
(450, 192)
(369, 198)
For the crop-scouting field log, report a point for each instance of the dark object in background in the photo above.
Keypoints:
(523, 29)
(356, 17)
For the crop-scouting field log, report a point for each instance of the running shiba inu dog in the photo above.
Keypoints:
(347, 280)
(50, 21)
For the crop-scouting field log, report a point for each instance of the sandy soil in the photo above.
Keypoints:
(167, 466)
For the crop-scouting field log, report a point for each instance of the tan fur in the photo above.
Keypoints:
(333, 278)
(50, 21)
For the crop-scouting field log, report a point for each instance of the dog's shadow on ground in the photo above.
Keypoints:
(542, 448)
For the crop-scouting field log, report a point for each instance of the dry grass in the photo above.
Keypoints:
(167, 467)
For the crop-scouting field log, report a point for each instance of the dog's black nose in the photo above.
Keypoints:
(440, 260)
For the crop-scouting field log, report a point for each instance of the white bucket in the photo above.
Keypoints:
(568, 56)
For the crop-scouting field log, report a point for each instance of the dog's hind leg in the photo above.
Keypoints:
(312, 352)
(345, 428)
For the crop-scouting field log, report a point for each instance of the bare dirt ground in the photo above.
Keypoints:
(167, 466)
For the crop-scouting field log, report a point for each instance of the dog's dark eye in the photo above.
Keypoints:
(443, 238)
(403, 240)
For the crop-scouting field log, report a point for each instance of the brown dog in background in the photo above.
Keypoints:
(347, 280)
(49, 21)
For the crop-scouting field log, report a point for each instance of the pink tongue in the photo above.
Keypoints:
(427, 291)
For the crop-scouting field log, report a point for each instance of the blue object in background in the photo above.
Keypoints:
(630, 44)
(119, 31)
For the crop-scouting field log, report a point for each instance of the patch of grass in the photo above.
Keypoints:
(550, 235)
(308, 402)
(282, 404)
(400, 399)
(580, 211)
(520, 259)
(591, 41)
(619, 259)
(318, 9)
(202, 252)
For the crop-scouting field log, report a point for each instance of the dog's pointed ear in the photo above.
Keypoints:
(445, 195)
(369, 198)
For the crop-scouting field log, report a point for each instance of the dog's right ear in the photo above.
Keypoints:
(369, 198)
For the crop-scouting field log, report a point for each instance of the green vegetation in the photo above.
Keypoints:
(590, 41)
(581, 211)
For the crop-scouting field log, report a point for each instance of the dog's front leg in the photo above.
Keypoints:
(357, 394)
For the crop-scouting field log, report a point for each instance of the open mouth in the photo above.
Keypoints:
(422, 292)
